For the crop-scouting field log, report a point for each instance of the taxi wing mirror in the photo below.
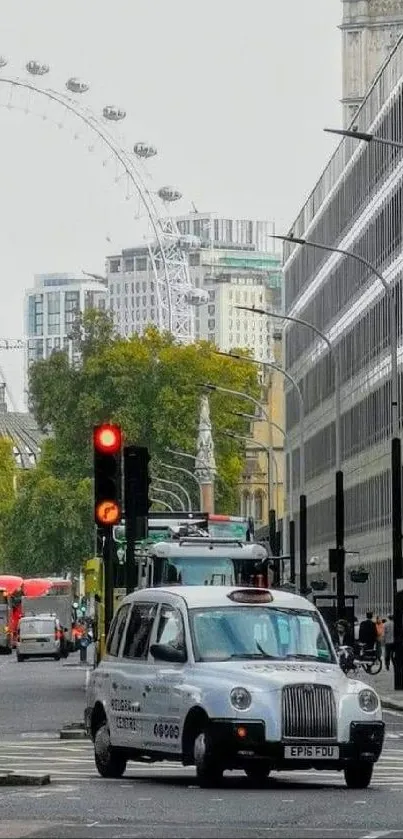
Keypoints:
(164, 652)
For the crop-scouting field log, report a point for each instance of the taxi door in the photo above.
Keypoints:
(130, 724)
(166, 692)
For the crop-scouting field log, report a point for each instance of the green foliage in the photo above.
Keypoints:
(49, 529)
(7, 485)
(149, 385)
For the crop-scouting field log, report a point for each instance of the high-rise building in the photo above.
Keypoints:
(370, 29)
(234, 269)
(50, 309)
(356, 206)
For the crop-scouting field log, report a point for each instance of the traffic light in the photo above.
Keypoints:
(137, 482)
(107, 441)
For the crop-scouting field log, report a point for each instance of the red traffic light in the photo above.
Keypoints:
(108, 438)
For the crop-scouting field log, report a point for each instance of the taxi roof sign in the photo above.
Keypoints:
(250, 595)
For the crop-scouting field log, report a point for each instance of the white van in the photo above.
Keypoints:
(39, 635)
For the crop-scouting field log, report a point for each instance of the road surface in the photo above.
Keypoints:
(164, 800)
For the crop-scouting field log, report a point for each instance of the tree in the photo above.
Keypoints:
(49, 529)
(8, 474)
(148, 384)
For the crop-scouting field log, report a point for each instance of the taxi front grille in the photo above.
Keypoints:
(309, 712)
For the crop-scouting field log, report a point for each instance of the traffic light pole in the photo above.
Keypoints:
(136, 529)
(108, 554)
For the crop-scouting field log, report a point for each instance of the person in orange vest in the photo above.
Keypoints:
(380, 629)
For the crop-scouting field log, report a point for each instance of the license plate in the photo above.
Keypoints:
(307, 752)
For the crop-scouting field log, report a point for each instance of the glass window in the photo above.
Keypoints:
(170, 628)
(116, 631)
(139, 630)
(141, 263)
(254, 632)
(129, 264)
(200, 571)
(114, 266)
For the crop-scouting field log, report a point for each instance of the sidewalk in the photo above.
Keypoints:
(383, 684)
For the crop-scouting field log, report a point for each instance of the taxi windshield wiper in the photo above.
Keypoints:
(253, 655)
(307, 656)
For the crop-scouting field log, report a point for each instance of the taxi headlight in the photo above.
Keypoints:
(240, 699)
(368, 700)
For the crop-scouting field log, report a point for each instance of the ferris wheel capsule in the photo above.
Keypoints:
(114, 114)
(197, 297)
(77, 86)
(169, 194)
(3, 61)
(144, 150)
(36, 68)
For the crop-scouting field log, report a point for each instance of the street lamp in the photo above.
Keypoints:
(241, 395)
(163, 503)
(169, 492)
(291, 523)
(302, 497)
(396, 456)
(339, 478)
(176, 484)
(355, 134)
(271, 458)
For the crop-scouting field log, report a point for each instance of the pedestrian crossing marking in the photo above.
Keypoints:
(73, 763)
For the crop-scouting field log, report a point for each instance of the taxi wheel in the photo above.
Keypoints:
(358, 775)
(110, 764)
(209, 771)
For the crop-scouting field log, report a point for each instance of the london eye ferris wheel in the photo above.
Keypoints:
(167, 247)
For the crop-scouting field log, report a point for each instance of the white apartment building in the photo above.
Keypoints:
(50, 308)
(231, 272)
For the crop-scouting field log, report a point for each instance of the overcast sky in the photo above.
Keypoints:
(233, 94)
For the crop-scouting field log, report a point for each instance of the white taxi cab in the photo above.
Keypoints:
(229, 678)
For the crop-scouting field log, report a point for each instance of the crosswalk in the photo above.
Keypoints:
(72, 763)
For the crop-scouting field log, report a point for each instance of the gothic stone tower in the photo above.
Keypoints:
(370, 29)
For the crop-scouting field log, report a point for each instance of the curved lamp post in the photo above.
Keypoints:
(269, 451)
(302, 497)
(169, 492)
(163, 503)
(339, 477)
(396, 455)
(176, 484)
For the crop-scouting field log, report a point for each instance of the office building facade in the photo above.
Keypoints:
(50, 309)
(370, 29)
(356, 206)
(230, 271)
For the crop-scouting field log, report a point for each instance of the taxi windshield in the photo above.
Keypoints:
(252, 632)
(200, 571)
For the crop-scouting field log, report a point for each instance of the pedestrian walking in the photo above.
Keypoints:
(367, 634)
(388, 637)
(379, 626)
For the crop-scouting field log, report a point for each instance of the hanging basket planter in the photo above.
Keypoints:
(360, 575)
(318, 585)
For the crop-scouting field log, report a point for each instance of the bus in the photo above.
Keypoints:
(195, 561)
(231, 527)
(11, 584)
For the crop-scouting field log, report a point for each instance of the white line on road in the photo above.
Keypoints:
(377, 834)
